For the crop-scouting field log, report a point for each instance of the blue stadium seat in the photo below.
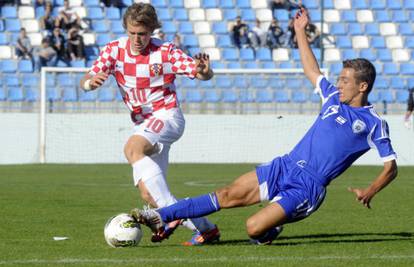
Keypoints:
(106, 95)
(180, 14)
(315, 15)
(268, 65)
(315, 98)
(193, 96)
(78, 63)
(188, 83)
(30, 80)
(374, 97)
(264, 96)
(31, 94)
(408, 4)
(276, 83)
(281, 14)
(378, 4)
(230, 14)
(394, 4)
(65, 80)
(9, 12)
(259, 82)
(401, 96)
(190, 40)
(13, 25)
(299, 97)
(294, 83)
(349, 54)
(15, 94)
(386, 96)
(286, 65)
(230, 54)
(1, 25)
(116, 26)
(91, 52)
(113, 13)
(169, 27)
(368, 53)
(263, 54)
(390, 68)
(246, 54)
(409, 42)
(372, 29)
(407, 68)
(381, 83)
(335, 68)
(329, 4)
(378, 42)
(159, 3)
(8, 66)
(103, 39)
(397, 83)
(4, 39)
(176, 3)
(343, 42)
(348, 16)
(229, 96)
(281, 96)
(246, 96)
(91, 3)
(223, 82)
(226, 4)
(95, 13)
(217, 65)
(89, 96)
(360, 4)
(25, 66)
(250, 65)
(382, 16)
(223, 40)
(69, 94)
(163, 14)
(311, 4)
(338, 29)
(212, 96)
(220, 27)
(248, 14)
(234, 65)
(240, 82)
(399, 16)
(410, 82)
(185, 27)
(206, 84)
(243, 3)
(317, 53)
(355, 29)
(208, 3)
(405, 29)
(99, 26)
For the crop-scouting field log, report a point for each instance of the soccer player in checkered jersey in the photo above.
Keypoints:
(295, 184)
(145, 69)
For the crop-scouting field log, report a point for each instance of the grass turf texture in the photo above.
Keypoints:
(42, 201)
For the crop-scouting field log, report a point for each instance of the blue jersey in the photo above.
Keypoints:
(339, 136)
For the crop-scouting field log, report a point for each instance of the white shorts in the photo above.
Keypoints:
(163, 128)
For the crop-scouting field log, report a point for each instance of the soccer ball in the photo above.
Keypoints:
(122, 231)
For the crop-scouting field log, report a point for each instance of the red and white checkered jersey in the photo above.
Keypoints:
(146, 81)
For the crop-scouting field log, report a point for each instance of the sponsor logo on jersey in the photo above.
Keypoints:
(358, 126)
(341, 120)
(331, 110)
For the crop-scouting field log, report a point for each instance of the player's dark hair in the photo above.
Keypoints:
(364, 71)
(141, 13)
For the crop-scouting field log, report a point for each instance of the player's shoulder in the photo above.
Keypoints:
(371, 115)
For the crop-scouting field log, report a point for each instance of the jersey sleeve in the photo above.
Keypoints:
(324, 88)
(380, 140)
(181, 63)
(106, 60)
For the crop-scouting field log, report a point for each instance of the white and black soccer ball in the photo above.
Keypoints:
(122, 231)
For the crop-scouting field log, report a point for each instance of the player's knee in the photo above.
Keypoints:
(132, 154)
(253, 227)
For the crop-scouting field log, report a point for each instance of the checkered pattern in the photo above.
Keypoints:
(146, 81)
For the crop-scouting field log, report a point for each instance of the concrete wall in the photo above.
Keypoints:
(99, 138)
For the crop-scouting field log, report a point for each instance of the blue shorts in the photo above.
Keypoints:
(282, 181)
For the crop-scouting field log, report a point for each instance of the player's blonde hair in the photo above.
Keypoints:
(141, 13)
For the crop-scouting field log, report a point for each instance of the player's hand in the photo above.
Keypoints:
(202, 61)
(301, 19)
(98, 80)
(363, 196)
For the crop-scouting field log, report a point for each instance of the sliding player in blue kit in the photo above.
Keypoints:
(295, 184)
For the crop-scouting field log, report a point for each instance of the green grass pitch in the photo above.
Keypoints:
(39, 202)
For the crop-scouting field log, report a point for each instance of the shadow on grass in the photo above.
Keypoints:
(331, 238)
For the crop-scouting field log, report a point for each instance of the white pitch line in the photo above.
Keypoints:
(195, 260)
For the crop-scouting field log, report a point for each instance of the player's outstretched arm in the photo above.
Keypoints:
(364, 196)
(91, 82)
(204, 72)
(309, 63)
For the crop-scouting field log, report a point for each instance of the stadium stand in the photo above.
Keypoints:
(380, 31)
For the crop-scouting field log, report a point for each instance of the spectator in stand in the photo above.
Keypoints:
(313, 35)
(410, 108)
(115, 3)
(159, 34)
(291, 38)
(179, 45)
(257, 35)
(285, 4)
(67, 17)
(58, 43)
(76, 46)
(47, 55)
(274, 34)
(24, 49)
(47, 22)
(239, 33)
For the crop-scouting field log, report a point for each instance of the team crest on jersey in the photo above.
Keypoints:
(156, 68)
(331, 110)
(358, 126)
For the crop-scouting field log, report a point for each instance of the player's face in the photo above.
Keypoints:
(139, 37)
(348, 87)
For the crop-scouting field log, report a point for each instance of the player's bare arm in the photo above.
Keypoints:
(364, 196)
(204, 72)
(309, 63)
(91, 82)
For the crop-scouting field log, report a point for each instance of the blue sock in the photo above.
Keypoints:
(190, 208)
